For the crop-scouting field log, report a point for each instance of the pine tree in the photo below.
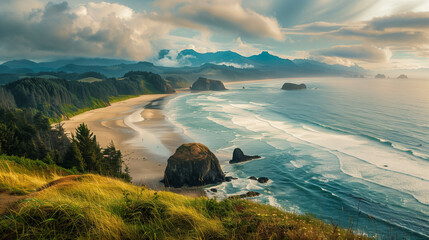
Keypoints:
(59, 142)
(73, 158)
(112, 160)
(89, 148)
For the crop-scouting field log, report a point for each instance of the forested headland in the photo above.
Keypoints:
(29, 106)
(58, 98)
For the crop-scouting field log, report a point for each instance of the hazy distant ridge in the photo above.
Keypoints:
(224, 65)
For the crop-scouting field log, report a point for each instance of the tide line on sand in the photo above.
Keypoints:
(140, 130)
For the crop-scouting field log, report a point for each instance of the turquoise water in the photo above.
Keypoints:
(351, 151)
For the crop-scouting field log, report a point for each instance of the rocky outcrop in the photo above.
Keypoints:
(402, 76)
(262, 179)
(293, 86)
(229, 179)
(380, 76)
(246, 195)
(193, 164)
(204, 84)
(238, 156)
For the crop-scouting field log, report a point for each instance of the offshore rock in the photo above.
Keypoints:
(204, 84)
(263, 179)
(238, 156)
(193, 164)
(293, 86)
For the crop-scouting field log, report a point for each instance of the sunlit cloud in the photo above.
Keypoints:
(364, 32)
(223, 15)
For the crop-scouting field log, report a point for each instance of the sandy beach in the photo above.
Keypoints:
(140, 130)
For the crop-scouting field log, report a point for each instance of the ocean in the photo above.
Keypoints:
(354, 152)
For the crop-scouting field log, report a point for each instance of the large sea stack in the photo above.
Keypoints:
(293, 86)
(204, 84)
(238, 156)
(193, 164)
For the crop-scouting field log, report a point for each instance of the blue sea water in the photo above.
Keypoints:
(350, 151)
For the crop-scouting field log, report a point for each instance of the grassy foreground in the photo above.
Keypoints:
(95, 207)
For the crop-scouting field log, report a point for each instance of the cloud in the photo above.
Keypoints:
(170, 60)
(313, 29)
(93, 29)
(236, 65)
(19, 7)
(222, 15)
(244, 48)
(407, 32)
(354, 52)
(292, 13)
(410, 20)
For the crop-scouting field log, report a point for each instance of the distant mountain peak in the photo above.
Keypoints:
(19, 62)
(188, 52)
(266, 54)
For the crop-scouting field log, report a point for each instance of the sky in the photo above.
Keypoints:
(375, 34)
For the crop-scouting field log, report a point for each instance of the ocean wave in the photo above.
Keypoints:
(389, 143)
(337, 161)
(397, 146)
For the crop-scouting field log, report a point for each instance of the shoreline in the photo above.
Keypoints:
(139, 128)
(266, 80)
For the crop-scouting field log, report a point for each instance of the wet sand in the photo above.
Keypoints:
(140, 130)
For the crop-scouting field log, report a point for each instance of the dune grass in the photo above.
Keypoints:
(21, 176)
(95, 207)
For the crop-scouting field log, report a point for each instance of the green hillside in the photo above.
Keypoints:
(62, 206)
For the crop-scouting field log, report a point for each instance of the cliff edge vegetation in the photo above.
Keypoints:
(55, 204)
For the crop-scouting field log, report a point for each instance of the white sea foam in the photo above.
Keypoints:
(400, 170)
(296, 164)
(273, 202)
(259, 104)
(246, 106)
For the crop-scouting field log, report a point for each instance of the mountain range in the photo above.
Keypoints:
(222, 65)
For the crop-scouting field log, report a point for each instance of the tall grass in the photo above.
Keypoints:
(21, 176)
(95, 207)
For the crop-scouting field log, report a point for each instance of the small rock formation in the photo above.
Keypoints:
(246, 195)
(253, 178)
(204, 84)
(213, 189)
(293, 86)
(193, 164)
(262, 179)
(229, 179)
(238, 156)
(380, 76)
(402, 76)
